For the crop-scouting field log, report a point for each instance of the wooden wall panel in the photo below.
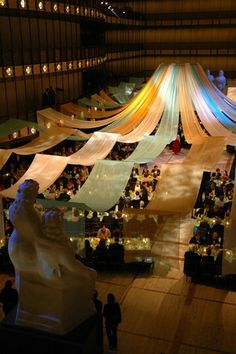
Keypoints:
(199, 35)
(3, 103)
(183, 5)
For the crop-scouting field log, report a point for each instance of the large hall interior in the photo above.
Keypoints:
(118, 148)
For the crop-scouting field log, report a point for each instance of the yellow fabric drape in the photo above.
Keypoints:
(191, 126)
(133, 114)
(155, 110)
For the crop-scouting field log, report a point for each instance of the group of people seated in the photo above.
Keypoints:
(204, 256)
(110, 225)
(103, 255)
(216, 197)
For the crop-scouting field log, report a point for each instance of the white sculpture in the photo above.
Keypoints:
(55, 290)
(220, 80)
(209, 75)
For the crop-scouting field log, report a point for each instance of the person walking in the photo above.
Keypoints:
(112, 315)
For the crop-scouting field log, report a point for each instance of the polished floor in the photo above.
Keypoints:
(162, 312)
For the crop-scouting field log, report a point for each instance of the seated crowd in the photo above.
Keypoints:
(103, 255)
(213, 206)
(204, 257)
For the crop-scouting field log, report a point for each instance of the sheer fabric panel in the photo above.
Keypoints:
(46, 140)
(179, 184)
(96, 148)
(44, 169)
(105, 184)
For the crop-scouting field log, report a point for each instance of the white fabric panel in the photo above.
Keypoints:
(104, 185)
(96, 148)
(44, 141)
(44, 169)
(178, 187)
(51, 115)
(148, 148)
(205, 152)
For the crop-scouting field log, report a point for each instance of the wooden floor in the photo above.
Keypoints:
(164, 313)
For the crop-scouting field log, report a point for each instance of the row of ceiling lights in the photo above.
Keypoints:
(109, 7)
(41, 6)
(85, 63)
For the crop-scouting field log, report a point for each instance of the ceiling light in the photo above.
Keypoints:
(28, 70)
(40, 5)
(23, 4)
(45, 68)
(9, 71)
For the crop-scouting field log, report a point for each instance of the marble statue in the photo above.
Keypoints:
(55, 290)
(209, 75)
(220, 80)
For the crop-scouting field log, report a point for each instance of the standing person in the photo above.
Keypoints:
(98, 305)
(103, 232)
(46, 98)
(97, 302)
(210, 76)
(176, 145)
(52, 96)
(8, 297)
(112, 315)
